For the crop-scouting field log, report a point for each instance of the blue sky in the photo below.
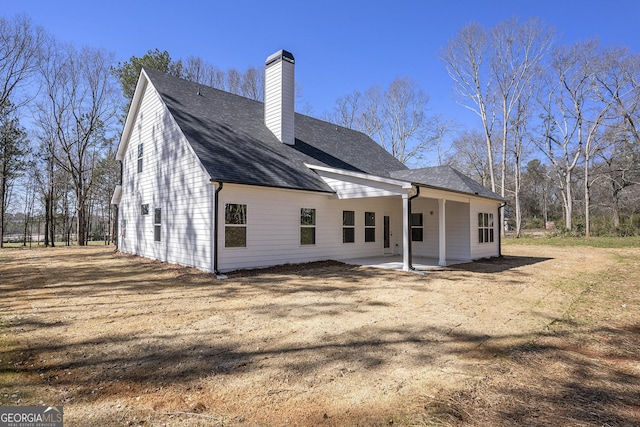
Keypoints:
(339, 46)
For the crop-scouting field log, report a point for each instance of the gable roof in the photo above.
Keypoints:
(445, 177)
(228, 134)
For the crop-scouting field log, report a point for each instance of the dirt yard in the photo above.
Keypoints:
(544, 336)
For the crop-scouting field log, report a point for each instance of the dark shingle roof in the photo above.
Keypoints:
(228, 134)
(445, 177)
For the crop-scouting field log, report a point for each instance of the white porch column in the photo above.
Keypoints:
(442, 241)
(406, 234)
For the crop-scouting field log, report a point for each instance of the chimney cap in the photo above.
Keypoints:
(280, 55)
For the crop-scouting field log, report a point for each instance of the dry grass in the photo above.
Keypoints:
(544, 336)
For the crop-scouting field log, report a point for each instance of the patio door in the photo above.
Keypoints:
(387, 249)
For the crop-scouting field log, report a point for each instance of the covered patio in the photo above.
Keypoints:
(395, 262)
(440, 208)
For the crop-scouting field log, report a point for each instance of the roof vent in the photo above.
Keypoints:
(279, 96)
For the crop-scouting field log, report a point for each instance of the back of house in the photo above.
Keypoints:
(221, 182)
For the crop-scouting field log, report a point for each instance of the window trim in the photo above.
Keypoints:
(144, 209)
(157, 225)
(308, 226)
(236, 225)
(140, 156)
(348, 227)
(368, 226)
(417, 227)
(486, 228)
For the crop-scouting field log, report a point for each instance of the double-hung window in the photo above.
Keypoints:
(157, 224)
(369, 226)
(485, 227)
(417, 227)
(307, 226)
(140, 154)
(235, 229)
(348, 227)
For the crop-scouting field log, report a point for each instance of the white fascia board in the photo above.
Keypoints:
(402, 184)
(143, 80)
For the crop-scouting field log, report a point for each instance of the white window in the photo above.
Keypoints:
(307, 226)
(140, 153)
(144, 209)
(157, 224)
(417, 227)
(485, 228)
(369, 226)
(235, 229)
(348, 227)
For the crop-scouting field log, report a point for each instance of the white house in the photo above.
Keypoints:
(221, 182)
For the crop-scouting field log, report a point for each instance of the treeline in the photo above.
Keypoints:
(559, 123)
(557, 128)
(559, 134)
(62, 108)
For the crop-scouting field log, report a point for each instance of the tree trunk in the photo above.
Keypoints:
(517, 196)
(616, 203)
(587, 197)
(2, 202)
(503, 161)
(568, 213)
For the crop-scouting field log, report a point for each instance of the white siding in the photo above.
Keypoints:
(429, 209)
(273, 227)
(457, 229)
(483, 250)
(279, 100)
(173, 180)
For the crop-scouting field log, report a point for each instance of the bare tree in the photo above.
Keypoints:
(194, 69)
(395, 117)
(464, 57)
(78, 107)
(20, 42)
(470, 157)
(233, 81)
(253, 84)
(346, 110)
(617, 84)
(565, 105)
(517, 50)
(440, 128)
(618, 166)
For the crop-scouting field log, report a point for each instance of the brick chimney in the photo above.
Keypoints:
(279, 96)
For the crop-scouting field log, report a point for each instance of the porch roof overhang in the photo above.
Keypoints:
(350, 185)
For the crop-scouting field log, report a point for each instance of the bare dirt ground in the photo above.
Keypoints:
(543, 336)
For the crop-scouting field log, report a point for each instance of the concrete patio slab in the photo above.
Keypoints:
(394, 262)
